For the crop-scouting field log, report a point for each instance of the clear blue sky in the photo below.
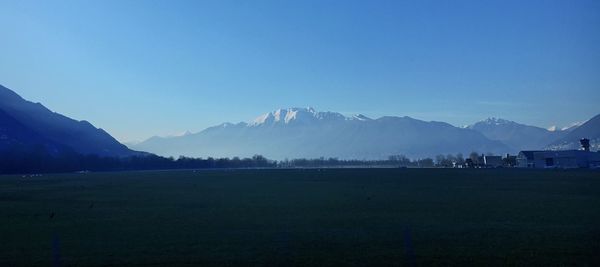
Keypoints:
(143, 68)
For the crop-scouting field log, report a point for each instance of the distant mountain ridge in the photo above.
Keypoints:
(590, 130)
(304, 132)
(27, 123)
(517, 136)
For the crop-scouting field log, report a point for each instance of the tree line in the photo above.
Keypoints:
(39, 160)
(392, 161)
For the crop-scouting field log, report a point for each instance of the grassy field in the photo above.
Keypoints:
(357, 217)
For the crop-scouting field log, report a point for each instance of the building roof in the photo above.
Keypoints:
(529, 153)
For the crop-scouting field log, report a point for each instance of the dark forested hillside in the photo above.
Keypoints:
(47, 128)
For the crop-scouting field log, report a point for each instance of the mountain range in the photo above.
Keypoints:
(517, 136)
(590, 129)
(25, 125)
(286, 133)
(305, 132)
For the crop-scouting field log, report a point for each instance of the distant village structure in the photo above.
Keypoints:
(488, 161)
(565, 159)
(492, 161)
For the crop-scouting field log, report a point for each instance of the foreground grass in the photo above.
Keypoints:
(302, 217)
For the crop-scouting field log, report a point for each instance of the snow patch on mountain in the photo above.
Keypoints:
(495, 121)
(360, 117)
(296, 115)
(573, 125)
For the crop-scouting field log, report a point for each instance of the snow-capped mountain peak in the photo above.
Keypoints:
(495, 121)
(492, 122)
(262, 119)
(294, 115)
